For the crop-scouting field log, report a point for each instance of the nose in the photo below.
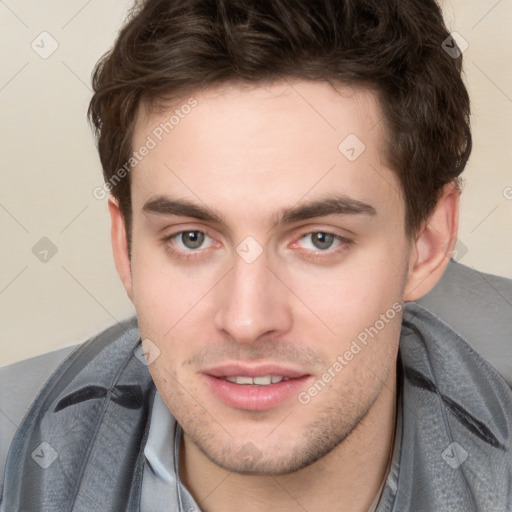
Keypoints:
(253, 302)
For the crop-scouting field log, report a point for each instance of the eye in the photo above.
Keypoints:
(319, 241)
(189, 240)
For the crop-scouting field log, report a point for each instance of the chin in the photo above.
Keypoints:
(280, 458)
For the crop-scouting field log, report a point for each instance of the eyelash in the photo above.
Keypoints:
(344, 243)
(187, 255)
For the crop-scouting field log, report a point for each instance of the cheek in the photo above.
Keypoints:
(168, 302)
(354, 294)
(158, 286)
(154, 298)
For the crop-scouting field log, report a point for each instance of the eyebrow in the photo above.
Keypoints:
(163, 205)
(338, 205)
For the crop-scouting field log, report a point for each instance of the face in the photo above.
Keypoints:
(268, 265)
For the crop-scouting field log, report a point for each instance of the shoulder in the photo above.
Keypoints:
(19, 385)
(21, 382)
(478, 306)
(456, 406)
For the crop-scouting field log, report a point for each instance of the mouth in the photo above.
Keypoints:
(254, 388)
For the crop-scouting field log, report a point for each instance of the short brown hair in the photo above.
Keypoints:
(170, 48)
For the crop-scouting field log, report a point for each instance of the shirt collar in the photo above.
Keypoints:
(160, 446)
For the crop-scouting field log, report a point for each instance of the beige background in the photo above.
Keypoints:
(50, 166)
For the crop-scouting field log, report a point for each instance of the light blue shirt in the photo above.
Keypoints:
(161, 485)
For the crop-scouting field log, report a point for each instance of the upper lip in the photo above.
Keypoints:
(253, 370)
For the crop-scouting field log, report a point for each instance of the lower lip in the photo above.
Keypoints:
(253, 397)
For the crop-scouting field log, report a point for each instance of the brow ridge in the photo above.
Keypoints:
(338, 205)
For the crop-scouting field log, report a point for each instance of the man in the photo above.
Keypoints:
(284, 188)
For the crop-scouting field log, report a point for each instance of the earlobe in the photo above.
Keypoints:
(120, 246)
(434, 245)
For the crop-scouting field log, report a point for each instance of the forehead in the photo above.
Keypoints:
(273, 145)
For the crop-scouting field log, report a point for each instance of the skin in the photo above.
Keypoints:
(249, 153)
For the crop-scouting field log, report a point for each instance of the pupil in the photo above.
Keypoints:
(192, 239)
(322, 240)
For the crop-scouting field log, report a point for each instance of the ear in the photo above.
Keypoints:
(120, 246)
(433, 247)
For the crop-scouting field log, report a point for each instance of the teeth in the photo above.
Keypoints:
(259, 381)
(244, 380)
(262, 381)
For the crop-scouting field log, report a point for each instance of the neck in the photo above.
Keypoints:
(346, 480)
